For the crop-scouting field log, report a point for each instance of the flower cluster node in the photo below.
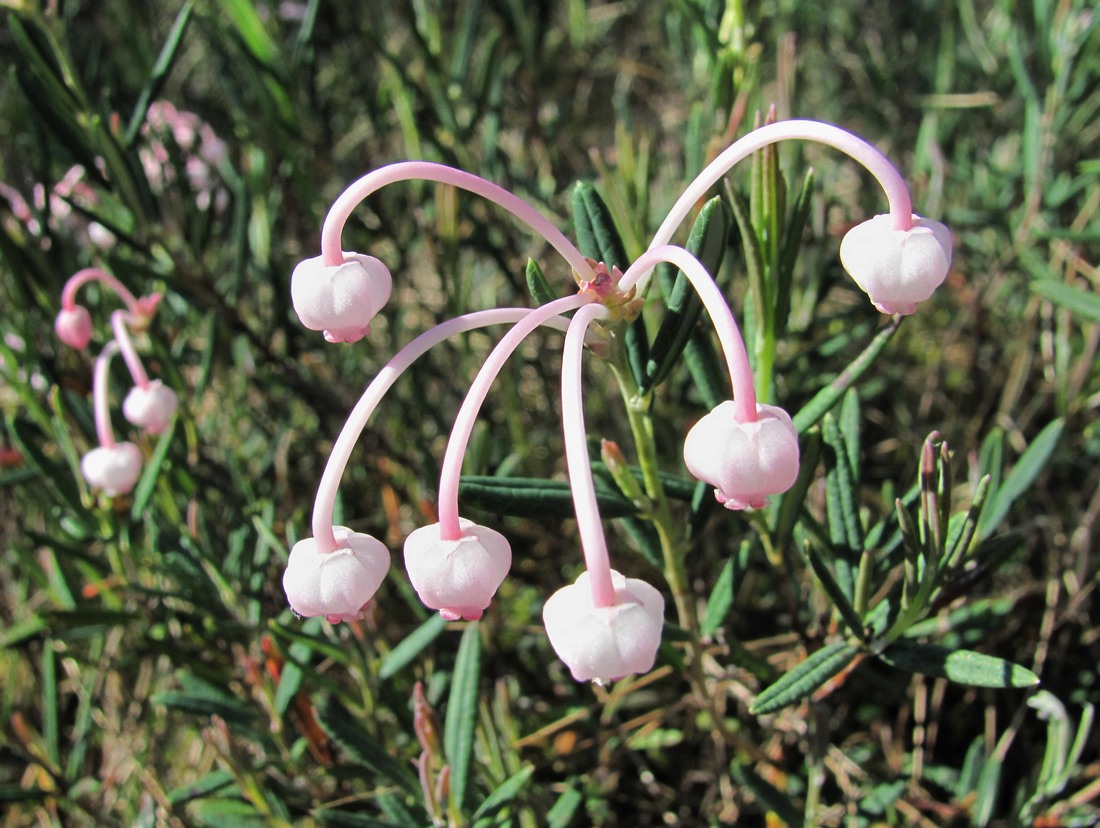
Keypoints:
(744, 461)
(897, 268)
(338, 584)
(340, 300)
(603, 287)
(605, 643)
(459, 576)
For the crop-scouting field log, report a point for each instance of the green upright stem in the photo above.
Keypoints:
(672, 546)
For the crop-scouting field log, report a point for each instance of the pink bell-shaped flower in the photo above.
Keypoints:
(745, 462)
(74, 327)
(337, 584)
(114, 469)
(897, 268)
(342, 299)
(457, 577)
(151, 407)
(603, 644)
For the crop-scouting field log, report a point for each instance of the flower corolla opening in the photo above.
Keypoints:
(457, 577)
(113, 469)
(74, 327)
(151, 407)
(340, 300)
(897, 269)
(604, 644)
(339, 584)
(744, 461)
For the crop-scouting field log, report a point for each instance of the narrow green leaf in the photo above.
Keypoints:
(989, 789)
(840, 600)
(561, 813)
(707, 242)
(331, 818)
(791, 245)
(214, 782)
(597, 236)
(828, 396)
(15, 793)
(200, 697)
(149, 475)
(706, 370)
(507, 791)
(806, 677)
(461, 716)
(770, 797)
(534, 497)
(750, 243)
(51, 733)
(219, 813)
(537, 284)
(1023, 474)
(791, 503)
(849, 420)
(411, 646)
(360, 746)
(721, 597)
(250, 26)
(842, 499)
(161, 68)
(963, 666)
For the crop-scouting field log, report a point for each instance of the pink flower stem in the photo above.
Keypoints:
(467, 415)
(332, 251)
(94, 274)
(325, 501)
(129, 352)
(593, 542)
(897, 194)
(729, 335)
(100, 380)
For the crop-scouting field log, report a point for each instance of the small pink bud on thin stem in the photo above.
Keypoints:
(100, 403)
(128, 351)
(94, 274)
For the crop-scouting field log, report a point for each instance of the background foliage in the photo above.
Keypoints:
(152, 672)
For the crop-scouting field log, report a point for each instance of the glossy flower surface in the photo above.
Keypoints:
(113, 469)
(744, 461)
(603, 644)
(340, 300)
(337, 584)
(457, 577)
(151, 407)
(897, 269)
(74, 327)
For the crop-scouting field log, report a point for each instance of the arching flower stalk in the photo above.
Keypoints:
(112, 467)
(605, 625)
(73, 324)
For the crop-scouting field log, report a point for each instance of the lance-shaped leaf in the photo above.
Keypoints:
(346, 731)
(535, 497)
(841, 601)
(827, 397)
(963, 666)
(707, 242)
(706, 371)
(805, 678)
(412, 645)
(1023, 474)
(165, 60)
(500, 798)
(537, 284)
(1083, 303)
(721, 597)
(461, 717)
(788, 252)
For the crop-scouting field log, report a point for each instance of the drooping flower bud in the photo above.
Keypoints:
(897, 268)
(457, 577)
(604, 644)
(337, 584)
(151, 407)
(744, 461)
(114, 469)
(74, 327)
(340, 300)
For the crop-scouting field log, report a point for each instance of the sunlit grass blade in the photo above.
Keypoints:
(461, 715)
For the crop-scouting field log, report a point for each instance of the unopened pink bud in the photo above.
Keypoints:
(337, 584)
(744, 461)
(114, 469)
(74, 327)
(457, 577)
(151, 407)
(340, 300)
(897, 268)
(603, 644)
